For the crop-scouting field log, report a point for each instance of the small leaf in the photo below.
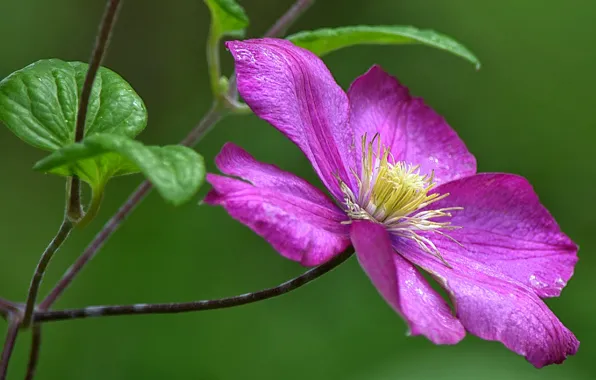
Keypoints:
(227, 18)
(323, 41)
(39, 104)
(176, 171)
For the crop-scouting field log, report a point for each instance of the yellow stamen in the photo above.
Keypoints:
(391, 193)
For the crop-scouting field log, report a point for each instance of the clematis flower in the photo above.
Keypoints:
(405, 193)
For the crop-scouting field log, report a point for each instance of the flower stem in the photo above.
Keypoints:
(93, 208)
(47, 255)
(34, 353)
(185, 307)
(9, 343)
(213, 65)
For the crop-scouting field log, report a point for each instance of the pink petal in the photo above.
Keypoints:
(504, 226)
(234, 161)
(495, 307)
(297, 219)
(293, 90)
(415, 133)
(403, 287)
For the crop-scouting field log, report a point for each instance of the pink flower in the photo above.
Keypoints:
(406, 195)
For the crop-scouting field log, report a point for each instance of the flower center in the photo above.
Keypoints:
(393, 194)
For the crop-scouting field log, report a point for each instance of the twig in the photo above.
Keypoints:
(11, 338)
(34, 353)
(184, 307)
(6, 307)
(101, 44)
(47, 255)
(204, 126)
(287, 19)
(74, 210)
(111, 226)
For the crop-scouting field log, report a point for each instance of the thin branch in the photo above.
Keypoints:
(74, 211)
(47, 255)
(34, 353)
(101, 44)
(204, 126)
(73, 208)
(111, 226)
(287, 19)
(9, 343)
(185, 307)
(7, 307)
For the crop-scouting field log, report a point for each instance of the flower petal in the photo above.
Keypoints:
(292, 89)
(415, 132)
(504, 226)
(403, 287)
(493, 306)
(296, 218)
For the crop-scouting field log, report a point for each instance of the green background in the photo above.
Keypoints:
(529, 111)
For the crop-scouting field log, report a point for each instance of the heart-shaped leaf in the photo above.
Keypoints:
(323, 41)
(39, 104)
(227, 18)
(176, 171)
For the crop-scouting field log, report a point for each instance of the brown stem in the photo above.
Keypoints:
(101, 43)
(185, 307)
(34, 353)
(47, 255)
(9, 343)
(7, 307)
(74, 210)
(287, 19)
(111, 226)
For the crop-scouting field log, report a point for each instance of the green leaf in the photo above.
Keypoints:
(323, 41)
(227, 18)
(39, 104)
(176, 171)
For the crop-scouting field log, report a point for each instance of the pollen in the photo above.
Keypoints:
(396, 194)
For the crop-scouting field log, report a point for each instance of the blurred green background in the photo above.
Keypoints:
(528, 111)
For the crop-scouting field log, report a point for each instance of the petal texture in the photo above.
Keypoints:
(292, 89)
(403, 287)
(505, 227)
(495, 307)
(297, 219)
(415, 133)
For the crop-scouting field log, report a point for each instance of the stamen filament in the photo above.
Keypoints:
(391, 193)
